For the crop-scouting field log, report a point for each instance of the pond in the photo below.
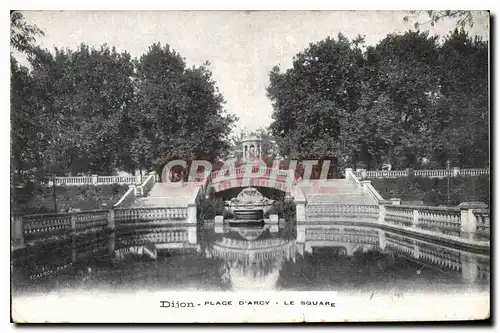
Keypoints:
(263, 257)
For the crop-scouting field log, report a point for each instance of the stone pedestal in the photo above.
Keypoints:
(219, 219)
(273, 218)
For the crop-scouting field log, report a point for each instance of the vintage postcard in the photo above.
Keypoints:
(249, 166)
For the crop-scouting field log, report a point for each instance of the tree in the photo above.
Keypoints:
(313, 99)
(462, 134)
(23, 35)
(463, 17)
(83, 99)
(179, 111)
(405, 100)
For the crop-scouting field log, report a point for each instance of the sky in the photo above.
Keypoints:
(242, 46)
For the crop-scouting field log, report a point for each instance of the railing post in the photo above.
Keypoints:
(17, 232)
(138, 179)
(347, 173)
(416, 216)
(381, 213)
(191, 213)
(111, 243)
(468, 221)
(381, 240)
(456, 171)
(192, 235)
(301, 234)
(416, 250)
(469, 268)
(111, 219)
(73, 223)
(94, 179)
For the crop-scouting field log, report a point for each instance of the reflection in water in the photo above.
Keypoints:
(252, 256)
(243, 257)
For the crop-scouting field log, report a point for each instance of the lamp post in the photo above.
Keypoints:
(448, 176)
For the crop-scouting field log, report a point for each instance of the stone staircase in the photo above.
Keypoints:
(163, 195)
(341, 191)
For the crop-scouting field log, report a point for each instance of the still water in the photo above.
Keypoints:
(263, 257)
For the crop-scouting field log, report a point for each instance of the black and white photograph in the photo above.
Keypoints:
(249, 166)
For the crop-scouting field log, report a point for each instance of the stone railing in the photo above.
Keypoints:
(341, 211)
(436, 173)
(365, 185)
(466, 220)
(41, 226)
(133, 215)
(46, 226)
(137, 191)
(95, 180)
(240, 172)
(482, 217)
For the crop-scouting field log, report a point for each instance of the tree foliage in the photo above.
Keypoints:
(23, 35)
(404, 101)
(96, 110)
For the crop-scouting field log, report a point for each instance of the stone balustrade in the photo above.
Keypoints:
(44, 226)
(435, 173)
(150, 213)
(342, 210)
(137, 191)
(240, 172)
(95, 180)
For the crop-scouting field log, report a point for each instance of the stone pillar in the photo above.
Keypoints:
(416, 250)
(456, 171)
(469, 268)
(395, 201)
(273, 218)
(301, 234)
(347, 171)
(138, 179)
(381, 214)
(111, 243)
(17, 232)
(191, 213)
(468, 222)
(111, 219)
(300, 208)
(192, 235)
(73, 223)
(73, 249)
(416, 216)
(381, 239)
(94, 179)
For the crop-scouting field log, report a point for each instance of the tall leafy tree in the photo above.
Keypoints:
(179, 111)
(314, 98)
